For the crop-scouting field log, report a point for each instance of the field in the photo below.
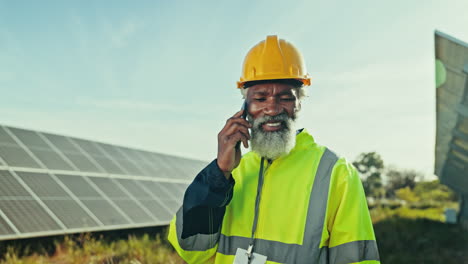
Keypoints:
(409, 228)
(400, 240)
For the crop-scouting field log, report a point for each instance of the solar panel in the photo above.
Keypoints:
(129, 205)
(6, 139)
(81, 162)
(171, 201)
(28, 215)
(110, 188)
(452, 111)
(135, 212)
(43, 185)
(93, 151)
(70, 213)
(451, 151)
(72, 153)
(11, 187)
(106, 213)
(5, 229)
(79, 186)
(53, 184)
(17, 157)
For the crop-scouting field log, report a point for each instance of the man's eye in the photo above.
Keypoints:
(260, 99)
(288, 98)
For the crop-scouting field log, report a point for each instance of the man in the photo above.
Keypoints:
(289, 200)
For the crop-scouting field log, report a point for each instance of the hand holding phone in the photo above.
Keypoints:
(234, 132)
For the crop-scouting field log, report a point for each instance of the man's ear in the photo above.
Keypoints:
(299, 105)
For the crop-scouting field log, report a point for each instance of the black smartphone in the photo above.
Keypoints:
(244, 116)
(244, 107)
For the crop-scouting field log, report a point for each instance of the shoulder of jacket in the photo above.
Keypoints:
(344, 172)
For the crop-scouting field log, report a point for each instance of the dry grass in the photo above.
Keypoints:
(404, 235)
(87, 249)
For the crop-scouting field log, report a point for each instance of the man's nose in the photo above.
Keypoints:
(272, 108)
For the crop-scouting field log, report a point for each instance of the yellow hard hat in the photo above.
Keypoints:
(273, 59)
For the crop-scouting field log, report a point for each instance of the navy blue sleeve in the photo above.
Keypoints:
(205, 201)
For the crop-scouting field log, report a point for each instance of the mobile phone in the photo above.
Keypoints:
(244, 116)
(244, 107)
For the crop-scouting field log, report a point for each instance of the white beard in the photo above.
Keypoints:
(272, 145)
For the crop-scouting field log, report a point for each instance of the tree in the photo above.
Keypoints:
(406, 194)
(370, 165)
(398, 179)
(435, 191)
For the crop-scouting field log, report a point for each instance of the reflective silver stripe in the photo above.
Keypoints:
(198, 242)
(317, 210)
(294, 253)
(276, 251)
(355, 251)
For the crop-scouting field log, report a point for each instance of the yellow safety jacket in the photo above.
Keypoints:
(308, 207)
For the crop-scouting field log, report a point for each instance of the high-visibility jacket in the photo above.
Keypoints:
(311, 208)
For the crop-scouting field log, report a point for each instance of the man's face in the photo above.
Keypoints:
(272, 109)
(272, 99)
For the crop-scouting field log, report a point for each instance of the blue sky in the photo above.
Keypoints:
(161, 75)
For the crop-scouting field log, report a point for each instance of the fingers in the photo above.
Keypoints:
(246, 143)
(236, 123)
(238, 117)
(235, 130)
(233, 121)
(237, 127)
(239, 114)
(236, 137)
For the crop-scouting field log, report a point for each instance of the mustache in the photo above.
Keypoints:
(258, 122)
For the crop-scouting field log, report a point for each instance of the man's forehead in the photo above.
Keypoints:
(271, 88)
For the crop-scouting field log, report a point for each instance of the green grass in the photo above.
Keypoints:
(403, 240)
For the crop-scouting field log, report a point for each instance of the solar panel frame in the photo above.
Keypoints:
(29, 138)
(43, 185)
(71, 213)
(124, 161)
(30, 216)
(37, 199)
(61, 143)
(107, 212)
(92, 151)
(137, 192)
(88, 191)
(17, 157)
(6, 226)
(160, 199)
(5, 138)
(126, 194)
(136, 212)
(148, 164)
(10, 186)
(110, 188)
(74, 160)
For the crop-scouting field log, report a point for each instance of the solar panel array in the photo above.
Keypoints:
(451, 152)
(452, 112)
(52, 184)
